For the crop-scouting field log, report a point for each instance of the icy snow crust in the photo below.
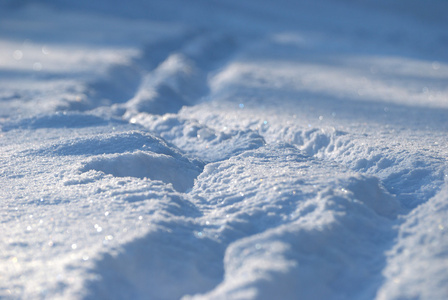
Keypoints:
(223, 149)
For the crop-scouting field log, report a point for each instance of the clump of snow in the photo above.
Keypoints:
(154, 166)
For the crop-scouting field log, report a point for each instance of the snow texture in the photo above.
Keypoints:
(224, 149)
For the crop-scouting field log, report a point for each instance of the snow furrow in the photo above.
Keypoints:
(181, 79)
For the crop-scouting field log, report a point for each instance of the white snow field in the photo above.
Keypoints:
(224, 149)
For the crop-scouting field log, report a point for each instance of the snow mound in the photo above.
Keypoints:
(420, 255)
(180, 173)
(108, 143)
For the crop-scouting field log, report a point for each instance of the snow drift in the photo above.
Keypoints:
(223, 149)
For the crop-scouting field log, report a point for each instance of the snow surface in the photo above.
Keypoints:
(224, 149)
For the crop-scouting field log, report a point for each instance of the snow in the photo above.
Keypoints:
(223, 149)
